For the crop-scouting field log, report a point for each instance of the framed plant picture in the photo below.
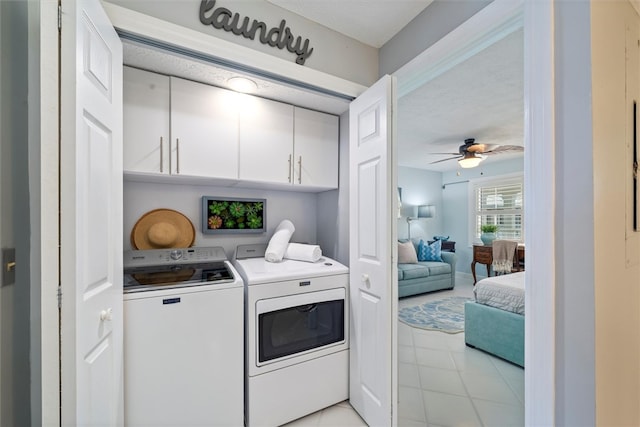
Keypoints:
(233, 215)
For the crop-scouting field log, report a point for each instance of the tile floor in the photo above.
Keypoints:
(442, 382)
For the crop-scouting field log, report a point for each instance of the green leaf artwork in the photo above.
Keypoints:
(233, 214)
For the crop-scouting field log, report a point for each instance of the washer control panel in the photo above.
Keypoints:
(193, 255)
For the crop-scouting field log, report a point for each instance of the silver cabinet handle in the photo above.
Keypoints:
(300, 170)
(289, 168)
(177, 155)
(161, 157)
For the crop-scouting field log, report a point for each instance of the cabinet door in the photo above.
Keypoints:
(266, 141)
(145, 121)
(315, 149)
(204, 130)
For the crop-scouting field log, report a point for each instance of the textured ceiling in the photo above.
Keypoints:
(372, 22)
(481, 98)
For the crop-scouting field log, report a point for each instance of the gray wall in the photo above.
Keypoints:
(575, 358)
(299, 207)
(333, 53)
(436, 21)
(15, 335)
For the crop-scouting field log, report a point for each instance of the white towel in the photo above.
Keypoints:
(279, 241)
(302, 252)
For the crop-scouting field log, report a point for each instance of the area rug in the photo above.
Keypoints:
(445, 315)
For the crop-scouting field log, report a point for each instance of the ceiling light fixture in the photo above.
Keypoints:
(470, 160)
(242, 84)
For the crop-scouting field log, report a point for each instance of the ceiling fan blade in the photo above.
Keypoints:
(449, 154)
(481, 148)
(444, 160)
(506, 149)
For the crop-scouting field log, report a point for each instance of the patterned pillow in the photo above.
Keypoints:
(430, 252)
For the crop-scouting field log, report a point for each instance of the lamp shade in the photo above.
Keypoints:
(426, 211)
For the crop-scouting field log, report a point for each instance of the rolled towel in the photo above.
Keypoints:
(279, 241)
(302, 252)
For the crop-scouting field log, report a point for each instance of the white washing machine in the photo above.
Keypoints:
(297, 336)
(183, 338)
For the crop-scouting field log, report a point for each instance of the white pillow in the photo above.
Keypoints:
(407, 253)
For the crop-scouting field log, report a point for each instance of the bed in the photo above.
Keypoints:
(494, 322)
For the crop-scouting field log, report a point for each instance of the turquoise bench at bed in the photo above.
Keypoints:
(495, 331)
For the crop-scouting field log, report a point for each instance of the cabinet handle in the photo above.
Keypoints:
(300, 170)
(289, 168)
(177, 155)
(161, 157)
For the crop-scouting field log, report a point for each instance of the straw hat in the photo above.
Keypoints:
(163, 228)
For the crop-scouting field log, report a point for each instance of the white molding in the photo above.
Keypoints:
(494, 22)
(540, 178)
(156, 29)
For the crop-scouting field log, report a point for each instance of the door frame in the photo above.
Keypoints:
(490, 24)
(539, 140)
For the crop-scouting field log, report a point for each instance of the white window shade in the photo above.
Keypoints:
(500, 202)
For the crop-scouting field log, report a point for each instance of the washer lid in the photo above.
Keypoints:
(256, 270)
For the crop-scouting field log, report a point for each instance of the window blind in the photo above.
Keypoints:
(500, 202)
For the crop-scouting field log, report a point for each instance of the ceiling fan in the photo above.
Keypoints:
(470, 154)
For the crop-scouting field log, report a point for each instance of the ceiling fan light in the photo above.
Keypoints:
(468, 162)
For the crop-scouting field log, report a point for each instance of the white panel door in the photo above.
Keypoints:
(315, 148)
(373, 285)
(266, 140)
(91, 216)
(146, 121)
(204, 130)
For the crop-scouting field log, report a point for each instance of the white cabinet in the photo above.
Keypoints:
(283, 144)
(177, 127)
(266, 141)
(204, 130)
(145, 121)
(315, 148)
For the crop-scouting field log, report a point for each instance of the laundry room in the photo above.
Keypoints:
(214, 177)
(189, 133)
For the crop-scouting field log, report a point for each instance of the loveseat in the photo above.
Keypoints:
(426, 276)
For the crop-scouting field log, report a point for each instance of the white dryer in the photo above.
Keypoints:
(297, 336)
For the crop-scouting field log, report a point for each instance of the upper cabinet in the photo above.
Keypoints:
(266, 141)
(315, 149)
(146, 121)
(176, 127)
(204, 130)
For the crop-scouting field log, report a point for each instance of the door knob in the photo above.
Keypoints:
(365, 280)
(106, 315)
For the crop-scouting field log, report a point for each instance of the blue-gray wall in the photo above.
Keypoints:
(449, 193)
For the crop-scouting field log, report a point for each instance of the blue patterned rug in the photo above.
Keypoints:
(445, 315)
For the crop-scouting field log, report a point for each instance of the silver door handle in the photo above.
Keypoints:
(177, 155)
(161, 157)
(289, 168)
(300, 170)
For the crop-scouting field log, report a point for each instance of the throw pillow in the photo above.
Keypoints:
(407, 253)
(432, 252)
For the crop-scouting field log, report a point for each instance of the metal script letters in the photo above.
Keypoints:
(280, 37)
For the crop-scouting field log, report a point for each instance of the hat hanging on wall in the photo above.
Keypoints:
(162, 229)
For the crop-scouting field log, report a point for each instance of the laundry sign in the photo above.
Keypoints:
(281, 36)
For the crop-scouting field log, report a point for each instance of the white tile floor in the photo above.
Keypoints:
(442, 382)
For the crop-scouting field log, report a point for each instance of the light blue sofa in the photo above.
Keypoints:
(427, 276)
